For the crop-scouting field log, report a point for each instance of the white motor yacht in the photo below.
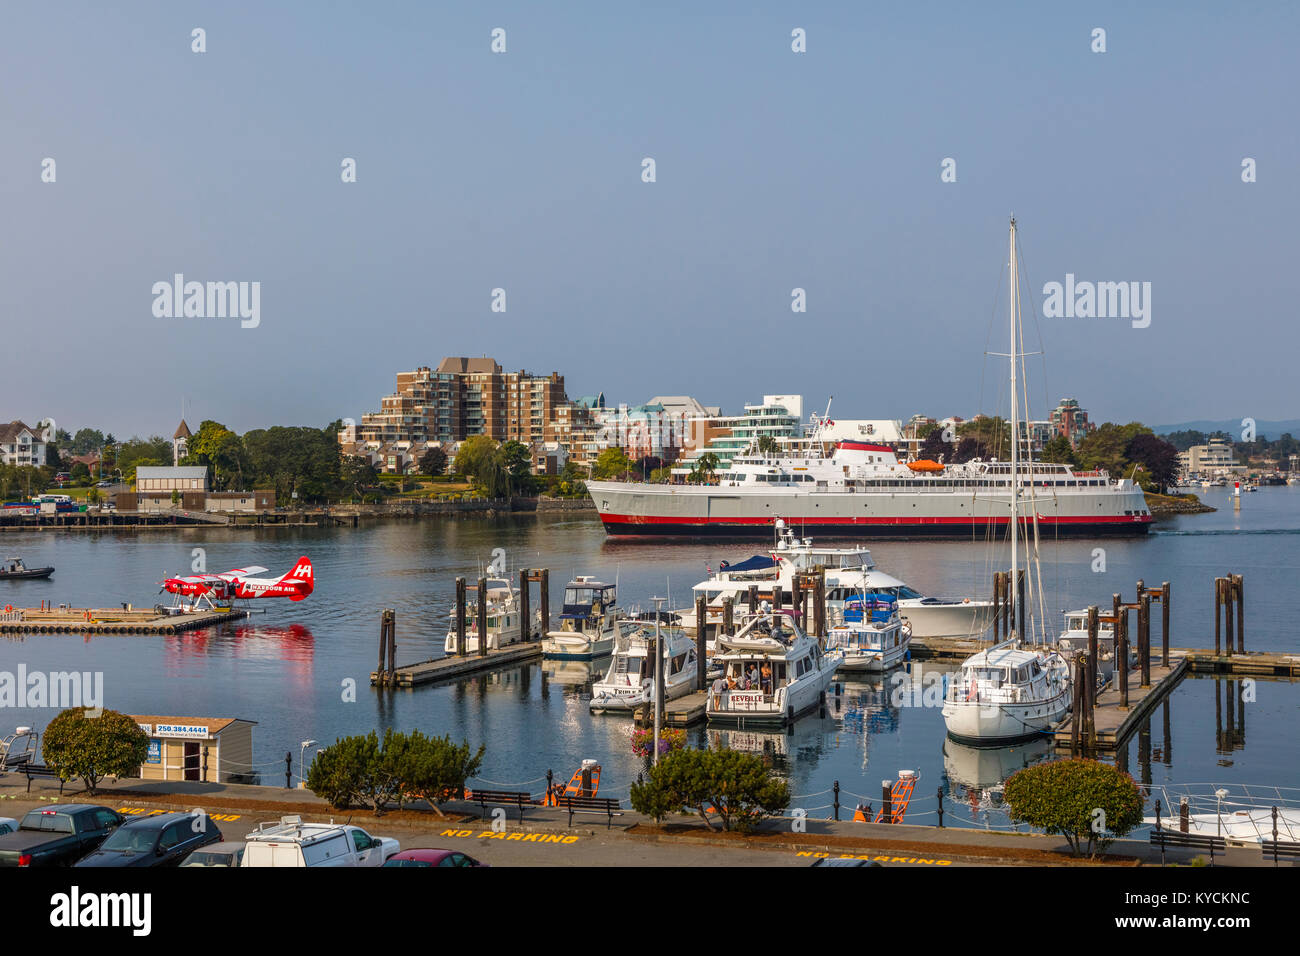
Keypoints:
(629, 682)
(588, 622)
(772, 672)
(870, 634)
(503, 618)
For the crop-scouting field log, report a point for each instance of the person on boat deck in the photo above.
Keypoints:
(752, 676)
(767, 678)
(719, 685)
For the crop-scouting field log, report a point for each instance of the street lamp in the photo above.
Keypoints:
(302, 753)
(1219, 795)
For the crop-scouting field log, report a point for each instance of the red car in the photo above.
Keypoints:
(431, 858)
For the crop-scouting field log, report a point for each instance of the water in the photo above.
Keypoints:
(289, 669)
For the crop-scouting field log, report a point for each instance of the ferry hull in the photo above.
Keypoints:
(629, 508)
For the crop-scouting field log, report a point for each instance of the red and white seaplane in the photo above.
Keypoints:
(240, 583)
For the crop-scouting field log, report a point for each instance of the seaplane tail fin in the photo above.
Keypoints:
(302, 579)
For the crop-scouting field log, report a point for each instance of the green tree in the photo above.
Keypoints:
(1058, 450)
(735, 787)
(705, 467)
(79, 473)
(1087, 802)
(91, 748)
(433, 462)
(474, 457)
(767, 446)
(612, 463)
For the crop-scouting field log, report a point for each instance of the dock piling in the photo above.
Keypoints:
(728, 615)
(1144, 636)
(392, 644)
(1227, 613)
(836, 804)
(460, 616)
(701, 637)
(819, 603)
(482, 617)
(545, 598)
(1164, 625)
(1121, 658)
(886, 807)
(1239, 595)
(1218, 615)
(525, 624)
(288, 770)
(939, 794)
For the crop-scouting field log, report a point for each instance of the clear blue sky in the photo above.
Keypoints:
(522, 171)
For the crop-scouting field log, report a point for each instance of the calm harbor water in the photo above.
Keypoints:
(288, 668)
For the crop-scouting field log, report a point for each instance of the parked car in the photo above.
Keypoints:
(431, 857)
(8, 825)
(58, 835)
(294, 843)
(225, 853)
(162, 840)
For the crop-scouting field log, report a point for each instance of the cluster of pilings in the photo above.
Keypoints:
(1004, 615)
(386, 673)
(1083, 706)
(1229, 594)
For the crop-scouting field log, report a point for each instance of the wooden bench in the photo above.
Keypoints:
(1280, 850)
(1162, 838)
(37, 770)
(606, 805)
(502, 798)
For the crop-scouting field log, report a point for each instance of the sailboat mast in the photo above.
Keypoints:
(1015, 432)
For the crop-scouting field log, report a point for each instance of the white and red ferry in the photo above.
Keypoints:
(863, 489)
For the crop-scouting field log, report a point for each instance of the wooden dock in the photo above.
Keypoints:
(685, 711)
(946, 648)
(109, 621)
(451, 666)
(1114, 724)
(1251, 664)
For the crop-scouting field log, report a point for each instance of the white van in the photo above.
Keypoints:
(294, 843)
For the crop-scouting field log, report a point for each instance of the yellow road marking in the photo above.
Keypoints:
(514, 837)
(148, 812)
(879, 859)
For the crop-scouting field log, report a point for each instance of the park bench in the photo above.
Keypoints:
(502, 798)
(1162, 838)
(1280, 850)
(606, 805)
(37, 770)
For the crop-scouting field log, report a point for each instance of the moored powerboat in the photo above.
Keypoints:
(503, 618)
(772, 672)
(629, 682)
(588, 621)
(870, 634)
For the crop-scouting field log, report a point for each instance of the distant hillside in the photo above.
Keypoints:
(1264, 429)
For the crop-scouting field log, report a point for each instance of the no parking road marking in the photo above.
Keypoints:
(146, 811)
(516, 837)
(879, 859)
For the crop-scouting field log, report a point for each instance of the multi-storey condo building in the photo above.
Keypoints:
(462, 397)
(1070, 420)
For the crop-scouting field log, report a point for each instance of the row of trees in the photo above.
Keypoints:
(399, 768)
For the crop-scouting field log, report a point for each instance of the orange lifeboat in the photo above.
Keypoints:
(924, 464)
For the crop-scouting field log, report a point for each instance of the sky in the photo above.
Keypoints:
(523, 171)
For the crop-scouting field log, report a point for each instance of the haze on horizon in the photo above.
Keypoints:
(775, 170)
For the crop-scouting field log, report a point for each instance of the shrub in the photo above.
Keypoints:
(1087, 802)
(92, 748)
(436, 769)
(734, 786)
(405, 766)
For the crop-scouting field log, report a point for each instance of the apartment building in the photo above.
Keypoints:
(461, 397)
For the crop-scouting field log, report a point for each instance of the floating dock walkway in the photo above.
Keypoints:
(452, 666)
(68, 620)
